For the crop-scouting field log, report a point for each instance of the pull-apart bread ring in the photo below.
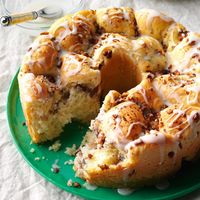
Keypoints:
(144, 66)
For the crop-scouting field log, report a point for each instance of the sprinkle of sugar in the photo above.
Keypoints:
(31, 142)
(43, 157)
(71, 150)
(55, 146)
(69, 162)
(37, 158)
(32, 150)
(69, 183)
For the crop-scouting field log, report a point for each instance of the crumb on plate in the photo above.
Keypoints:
(69, 183)
(37, 158)
(32, 150)
(69, 162)
(71, 150)
(55, 146)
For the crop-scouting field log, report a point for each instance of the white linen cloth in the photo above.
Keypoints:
(18, 181)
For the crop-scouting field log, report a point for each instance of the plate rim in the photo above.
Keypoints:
(15, 141)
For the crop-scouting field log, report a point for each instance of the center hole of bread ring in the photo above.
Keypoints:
(118, 72)
(123, 61)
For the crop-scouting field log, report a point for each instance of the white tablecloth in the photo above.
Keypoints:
(18, 181)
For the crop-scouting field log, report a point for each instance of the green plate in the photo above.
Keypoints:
(187, 180)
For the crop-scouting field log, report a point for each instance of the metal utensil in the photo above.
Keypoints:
(50, 12)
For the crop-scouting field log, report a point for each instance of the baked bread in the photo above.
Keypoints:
(146, 68)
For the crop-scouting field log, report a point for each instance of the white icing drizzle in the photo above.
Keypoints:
(189, 122)
(116, 15)
(132, 125)
(74, 31)
(177, 113)
(182, 65)
(154, 137)
(89, 186)
(137, 45)
(178, 134)
(101, 114)
(195, 126)
(30, 87)
(37, 43)
(172, 94)
(125, 191)
(39, 88)
(105, 17)
(114, 41)
(34, 47)
(40, 61)
(121, 13)
(152, 14)
(191, 98)
(64, 33)
(193, 89)
(163, 185)
(160, 93)
(72, 61)
(63, 53)
(118, 126)
(126, 14)
(142, 91)
(73, 47)
(171, 28)
(118, 137)
(141, 42)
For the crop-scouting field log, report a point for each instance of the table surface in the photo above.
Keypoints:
(17, 179)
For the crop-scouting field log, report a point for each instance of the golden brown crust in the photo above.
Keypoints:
(117, 20)
(174, 89)
(74, 32)
(79, 69)
(41, 57)
(185, 56)
(174, 34)
(153, 23)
